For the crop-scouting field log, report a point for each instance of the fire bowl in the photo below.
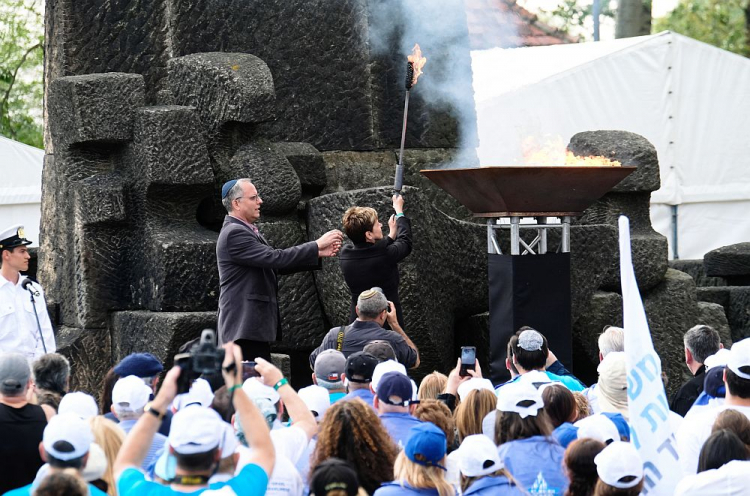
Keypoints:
(527, 191)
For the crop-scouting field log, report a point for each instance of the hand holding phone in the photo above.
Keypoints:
(248, 370)
(468, 360)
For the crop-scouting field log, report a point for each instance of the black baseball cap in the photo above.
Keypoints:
(334, 474)
(360, 366)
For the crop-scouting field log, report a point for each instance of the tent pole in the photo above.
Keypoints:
(675, 254)
(595, 12)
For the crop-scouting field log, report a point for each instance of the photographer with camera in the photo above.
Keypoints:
(194, 440)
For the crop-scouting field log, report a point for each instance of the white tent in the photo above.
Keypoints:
(686, 97)
(21, 186)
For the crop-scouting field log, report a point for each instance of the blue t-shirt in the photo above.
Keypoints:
(493, 486)
(251, 481)
(536, 463)
(363, 394)
(398, 426)
(395, 489)
(154, 450)
(27, 491)
(334, 397)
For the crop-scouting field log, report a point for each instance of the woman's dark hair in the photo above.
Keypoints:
(560, 404)
(509, 426)
(197, 462)
(580, 467)
(734, 421)
(110, 378)
(352, 431)
(721, 447)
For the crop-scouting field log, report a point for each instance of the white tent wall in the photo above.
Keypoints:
(686, 97)
(21, 187)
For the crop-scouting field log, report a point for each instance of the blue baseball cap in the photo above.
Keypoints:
(227, 186)
(139, 364)
(426, 445)
(394, 384)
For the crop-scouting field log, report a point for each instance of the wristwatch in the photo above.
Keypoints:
(153, 411)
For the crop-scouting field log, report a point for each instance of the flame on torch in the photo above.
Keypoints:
(414, 66)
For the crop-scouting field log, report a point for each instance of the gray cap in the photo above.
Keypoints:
(14, 373)
(380, 349)
(329, 366)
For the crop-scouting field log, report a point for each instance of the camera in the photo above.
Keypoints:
(203, 360)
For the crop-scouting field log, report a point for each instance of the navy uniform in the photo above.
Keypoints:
(19, 331)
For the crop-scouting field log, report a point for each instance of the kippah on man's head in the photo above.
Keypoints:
(227, 187)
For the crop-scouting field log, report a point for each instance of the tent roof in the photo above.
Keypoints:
(686, 97)
(21, 172)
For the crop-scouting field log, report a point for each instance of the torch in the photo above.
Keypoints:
(414, 65)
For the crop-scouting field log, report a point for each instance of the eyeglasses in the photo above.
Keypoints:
(251, 198)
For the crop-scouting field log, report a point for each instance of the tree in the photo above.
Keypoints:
(633, 18)
(21, 69)
(575, 17)
(722, 23)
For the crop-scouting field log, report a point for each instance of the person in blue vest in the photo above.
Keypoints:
(482, 470)
(523, 434)
(420, 467)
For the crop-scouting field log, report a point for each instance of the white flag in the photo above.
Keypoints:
(651, 432)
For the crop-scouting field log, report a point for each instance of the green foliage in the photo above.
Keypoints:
(575, 17)
(721, 23)
(21, 69)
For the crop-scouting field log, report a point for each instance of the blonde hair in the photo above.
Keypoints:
(471, 411)
(109, 436)
(421, 476)
(432, 385)
(583, 407)
(357, 221)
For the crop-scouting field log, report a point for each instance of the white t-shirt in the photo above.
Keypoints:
(694, 431)
(731, 479)
(285, 479)
(290, 442)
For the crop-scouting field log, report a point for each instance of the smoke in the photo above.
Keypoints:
(441, 27)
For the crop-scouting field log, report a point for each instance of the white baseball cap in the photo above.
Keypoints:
(488, 425)
(67, 436)
(598, 427)
(718, 359)
(739, 356)
(317, 399)
(383, 368)
(520, 397)
(474, 384)
(81, 404)
(478, 456)
(256, 390)
(130, 393)
(618, 461)
(96, 464)
(200, 393)
(536, 378)
(195, 429)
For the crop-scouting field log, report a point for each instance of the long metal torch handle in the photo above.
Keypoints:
(399, 180)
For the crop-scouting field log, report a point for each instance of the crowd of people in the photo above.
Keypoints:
(364, 427)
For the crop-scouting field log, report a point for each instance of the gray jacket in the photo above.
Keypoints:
(248, 266)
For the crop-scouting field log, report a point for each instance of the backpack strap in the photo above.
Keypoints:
(340, 338)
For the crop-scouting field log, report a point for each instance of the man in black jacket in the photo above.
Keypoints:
(372, 260)
(701, 342)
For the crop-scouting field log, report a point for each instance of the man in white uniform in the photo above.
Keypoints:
(19, 331)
